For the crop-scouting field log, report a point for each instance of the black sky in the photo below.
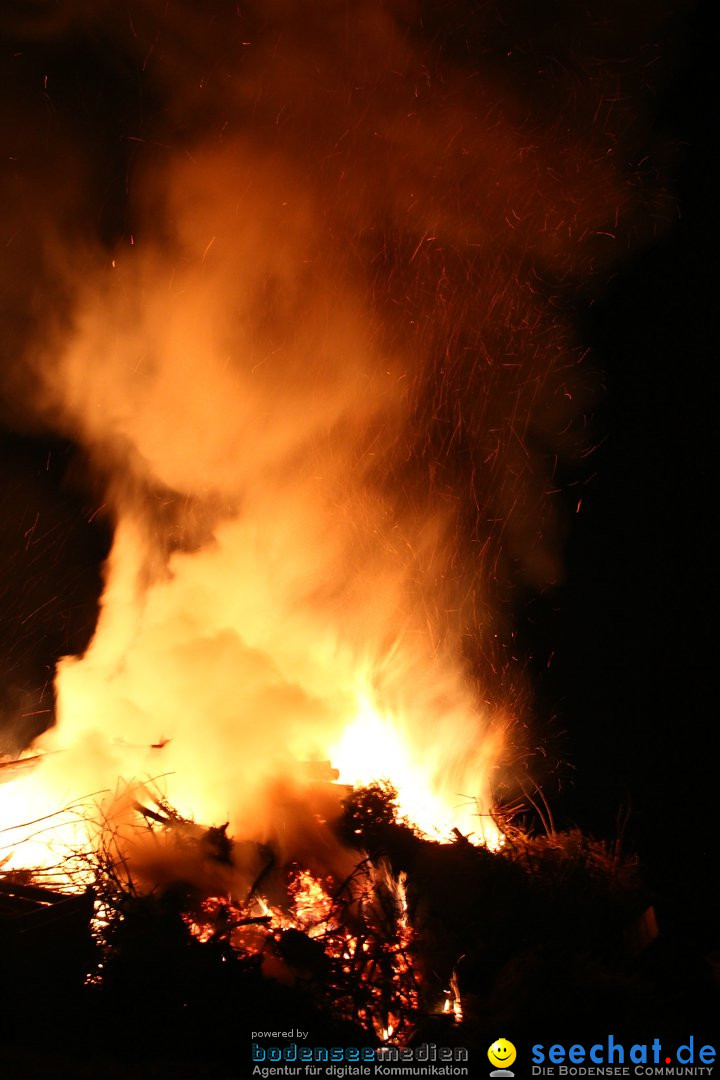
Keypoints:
(633, 630)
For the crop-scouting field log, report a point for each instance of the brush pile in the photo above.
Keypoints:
(422, 942)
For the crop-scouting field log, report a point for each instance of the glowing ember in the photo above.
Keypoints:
(362, 929)
(312, 903)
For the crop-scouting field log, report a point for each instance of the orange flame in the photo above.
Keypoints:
(272, 378)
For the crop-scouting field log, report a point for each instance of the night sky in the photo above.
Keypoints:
(621, 655)
(633, 628)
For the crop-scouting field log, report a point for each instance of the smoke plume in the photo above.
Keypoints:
(297, 279)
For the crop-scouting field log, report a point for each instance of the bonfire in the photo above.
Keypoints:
(313, 349)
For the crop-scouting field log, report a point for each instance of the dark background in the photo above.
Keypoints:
(622, 654)
(632, 677)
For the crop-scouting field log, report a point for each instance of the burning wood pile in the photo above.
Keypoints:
(420, 941)
(306, 326)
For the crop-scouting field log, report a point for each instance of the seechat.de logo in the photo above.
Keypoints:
(502, 1054)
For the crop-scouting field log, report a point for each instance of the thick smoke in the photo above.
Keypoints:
(305, 307)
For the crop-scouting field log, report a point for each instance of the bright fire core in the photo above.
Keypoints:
(242, 684)
(51, 814)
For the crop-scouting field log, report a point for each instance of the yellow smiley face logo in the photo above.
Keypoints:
(502, 1053)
